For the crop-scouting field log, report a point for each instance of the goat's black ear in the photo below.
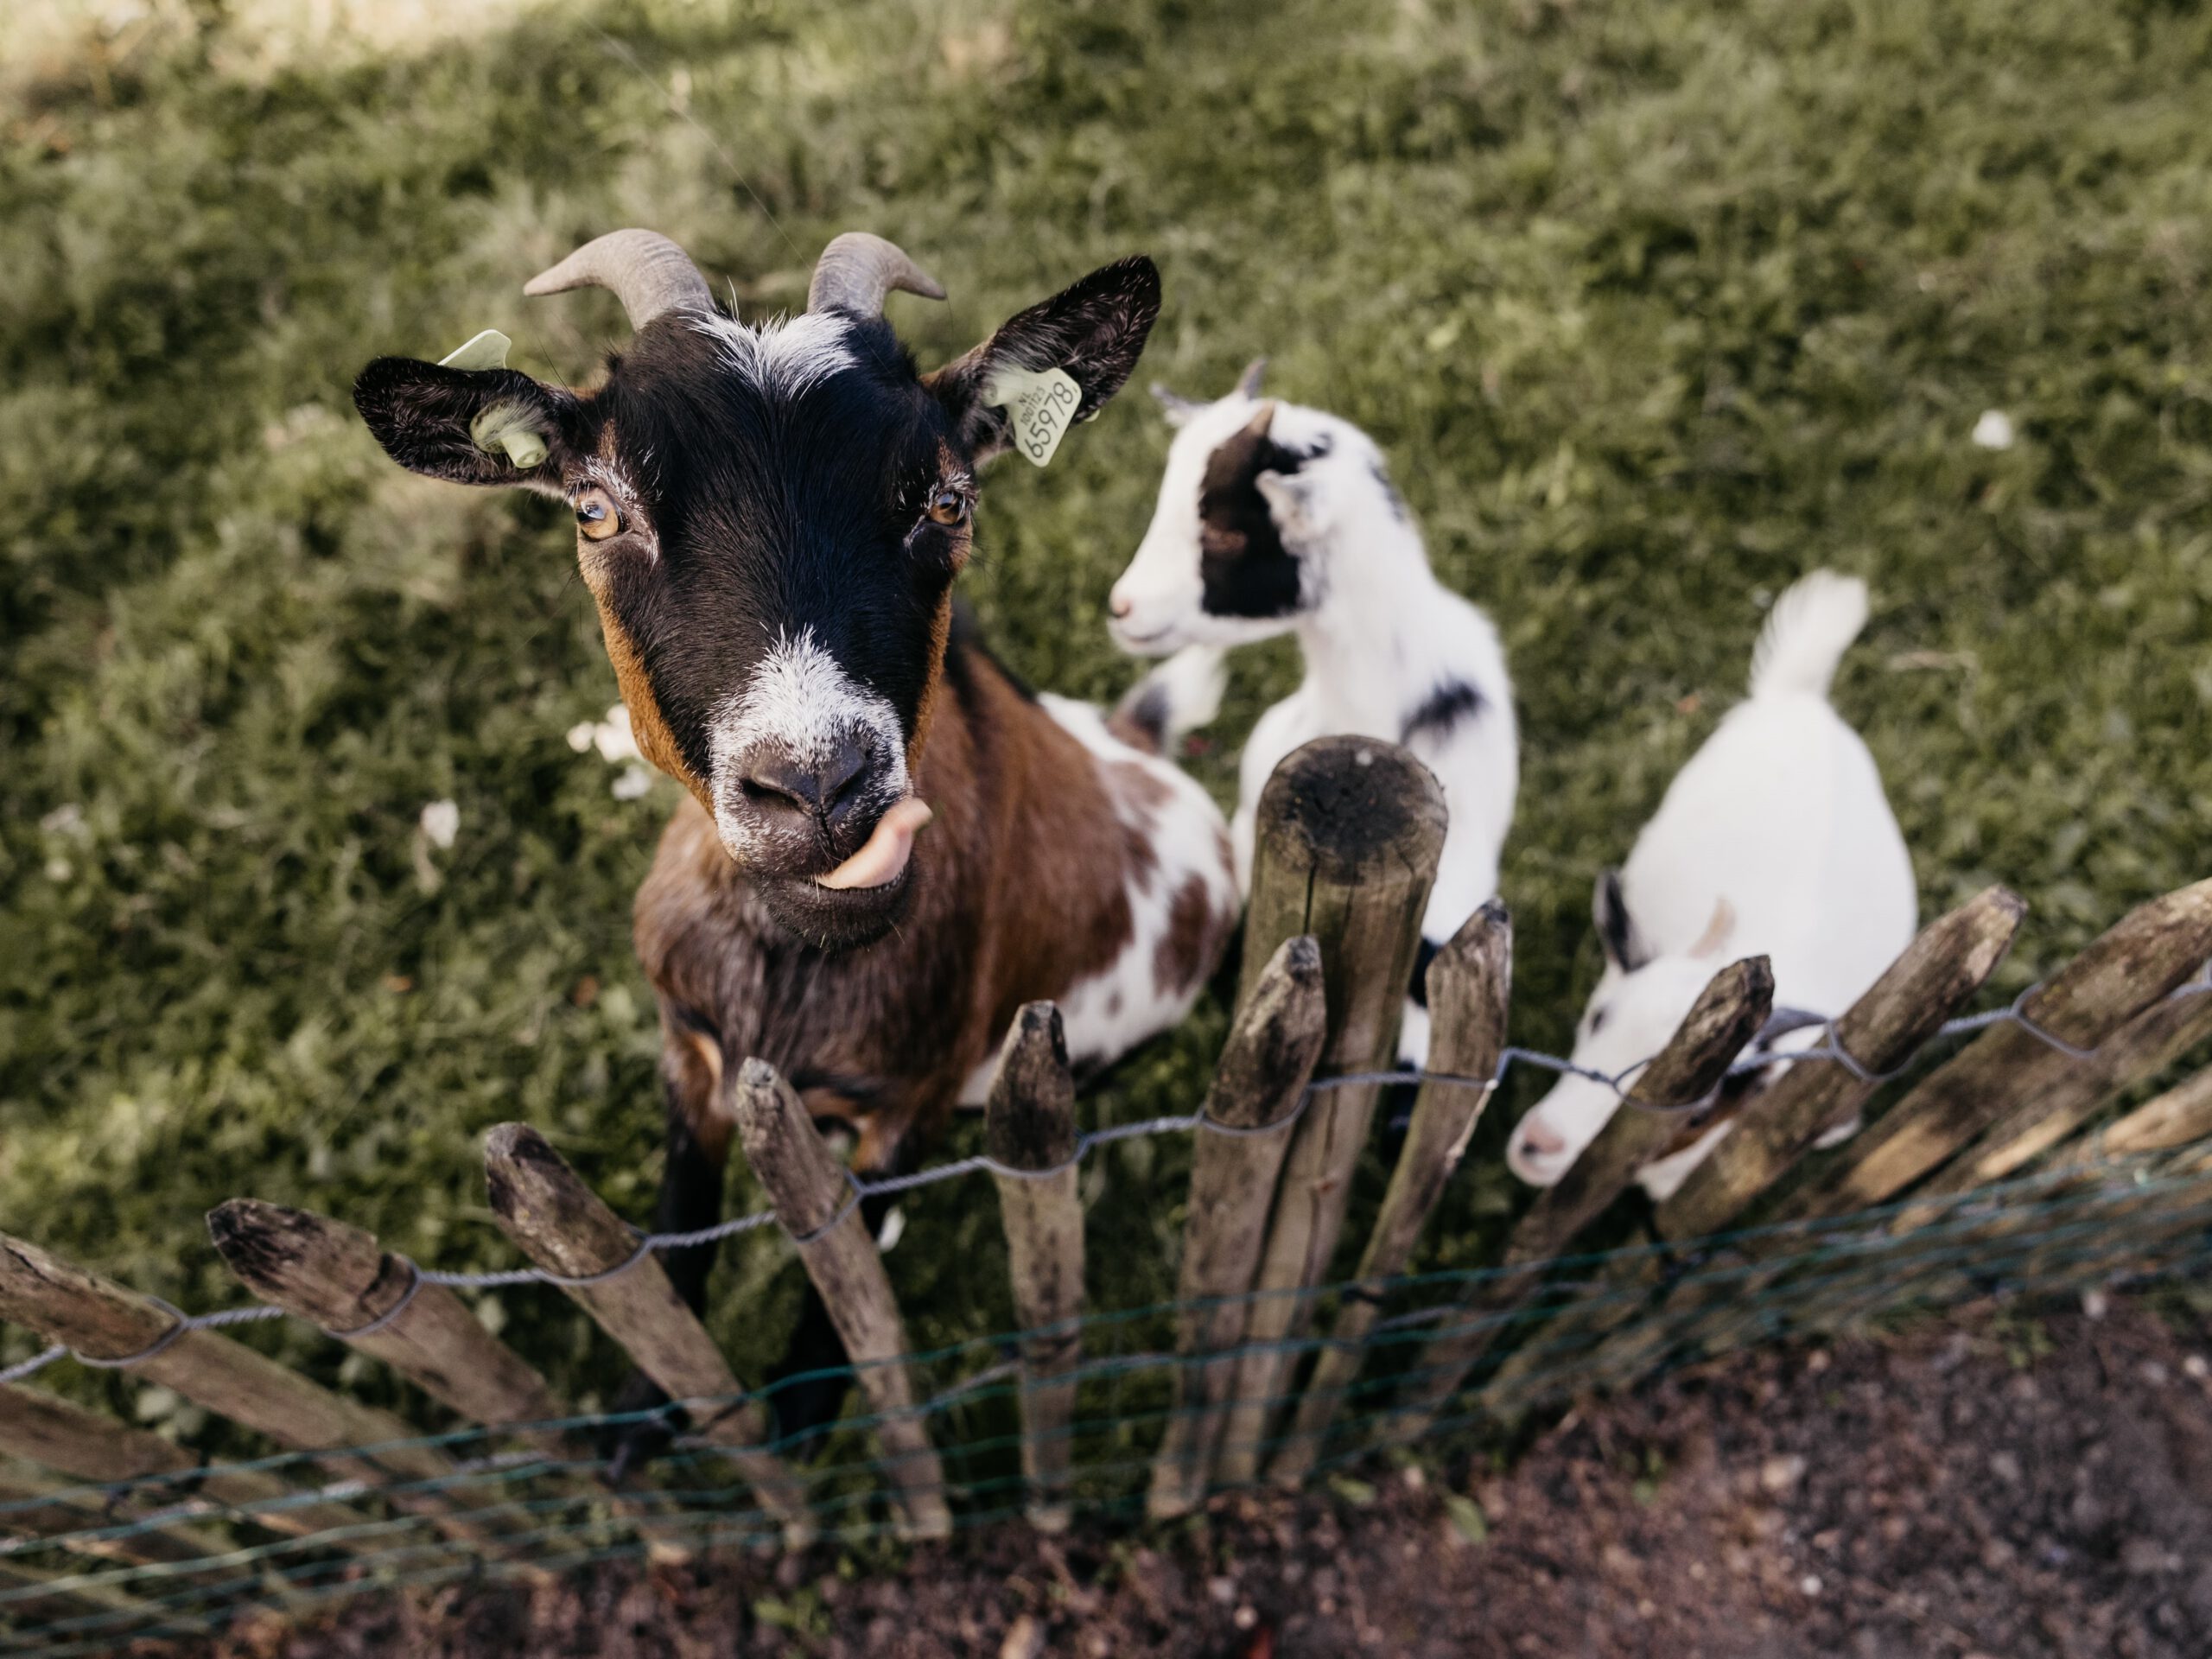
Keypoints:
(1616, 930)
(1094, 330)
(472, 426)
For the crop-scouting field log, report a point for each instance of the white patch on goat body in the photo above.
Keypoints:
(1113, 1010)
(786, 355)
(798, 701)
(1782, 815)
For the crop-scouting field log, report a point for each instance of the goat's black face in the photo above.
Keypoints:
(770, 519)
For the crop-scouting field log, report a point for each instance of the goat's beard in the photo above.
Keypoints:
(831, 919)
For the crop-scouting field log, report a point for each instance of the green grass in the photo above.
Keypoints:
(1653, 305)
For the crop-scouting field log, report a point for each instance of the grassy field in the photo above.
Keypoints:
(1653, 305)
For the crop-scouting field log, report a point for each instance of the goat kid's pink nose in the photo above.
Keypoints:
(1119, 605)
(1540, 1141)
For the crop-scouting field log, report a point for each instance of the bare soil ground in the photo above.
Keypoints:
(2007, 1487)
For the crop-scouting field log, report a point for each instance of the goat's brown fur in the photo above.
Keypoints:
(1021, 893)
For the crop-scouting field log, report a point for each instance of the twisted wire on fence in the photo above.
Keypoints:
(1829, 1050)
(2059, 1231)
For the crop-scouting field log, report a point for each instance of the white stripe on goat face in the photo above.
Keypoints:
(801, 703)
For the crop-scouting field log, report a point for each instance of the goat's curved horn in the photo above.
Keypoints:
(643, 269)
(856, 271)
(1248, 382)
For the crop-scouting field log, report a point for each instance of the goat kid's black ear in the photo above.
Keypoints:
(1094, 330)
(1615, 930)
(471, 426)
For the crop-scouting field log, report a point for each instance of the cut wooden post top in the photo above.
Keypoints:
(805, 1181)
(1726, 1015)
(546, 1207)
(2146, 955)
(1340, 806)
(1468, 985)
(1273, 1042)
(1029, 1118)
(321, 1270)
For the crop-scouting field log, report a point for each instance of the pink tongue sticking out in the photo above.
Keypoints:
(879, 862)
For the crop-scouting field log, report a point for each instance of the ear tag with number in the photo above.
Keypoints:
(1040, 406)
(487, 350)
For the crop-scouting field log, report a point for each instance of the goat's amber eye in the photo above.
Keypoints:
(597, 517)
(947, 505)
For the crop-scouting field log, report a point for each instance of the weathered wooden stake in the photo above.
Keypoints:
(1939, 970)
(1029, 1126)
(338, 1277)
(47, 1429)
(97, 1316)
(563, 1226)
(1470, 984)
(2146, 954)
(813, 1198)
(2176, 1118)
(2143, 1047)
(1349, 831)
(1272, 1043)
(1727, 1014)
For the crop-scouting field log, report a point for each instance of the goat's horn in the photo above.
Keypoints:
(1248, 382)
(643, 269)
(856, 271)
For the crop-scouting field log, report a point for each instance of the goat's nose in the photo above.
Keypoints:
(1118, 605)
(824, 791)
(1540, 1139)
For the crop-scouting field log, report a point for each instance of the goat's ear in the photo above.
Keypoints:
(1294, 502)
(1718, 930)
(1093, 329)
(472, 426)
(1615, 930)
(1180, 410)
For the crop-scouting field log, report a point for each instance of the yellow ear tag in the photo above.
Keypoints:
(1040, 406)
(485, 351)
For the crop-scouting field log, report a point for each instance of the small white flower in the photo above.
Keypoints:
(1993, 430)
(581, 735)
(440, 824)
(64, 821)
(613, 739)
(633, 783)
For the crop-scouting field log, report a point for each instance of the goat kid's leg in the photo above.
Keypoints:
(690, 1199)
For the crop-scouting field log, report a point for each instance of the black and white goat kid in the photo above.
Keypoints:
(1275, 518)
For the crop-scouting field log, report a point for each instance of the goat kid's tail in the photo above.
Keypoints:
(1181, 695)
(1807, 633)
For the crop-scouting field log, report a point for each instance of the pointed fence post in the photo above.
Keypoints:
(44, 1428)
(339, 1278)
(2143, 1047)
(96, 1316)
(813, 1196)
(1947, 963)
(1273, 1041)
(1727, 1014)
(2182, 1115)
(1470, 985)
(2148, 953)
(1349, 834)
(567, 1229)
(1029, 1131)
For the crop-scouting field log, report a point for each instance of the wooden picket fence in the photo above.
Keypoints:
(1350, 834)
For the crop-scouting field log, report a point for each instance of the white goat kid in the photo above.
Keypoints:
(1275, 518)
(1776, 839)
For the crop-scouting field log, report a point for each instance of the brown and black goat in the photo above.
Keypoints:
(771, 518)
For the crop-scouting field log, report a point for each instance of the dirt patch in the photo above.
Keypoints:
(2013, 1487)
